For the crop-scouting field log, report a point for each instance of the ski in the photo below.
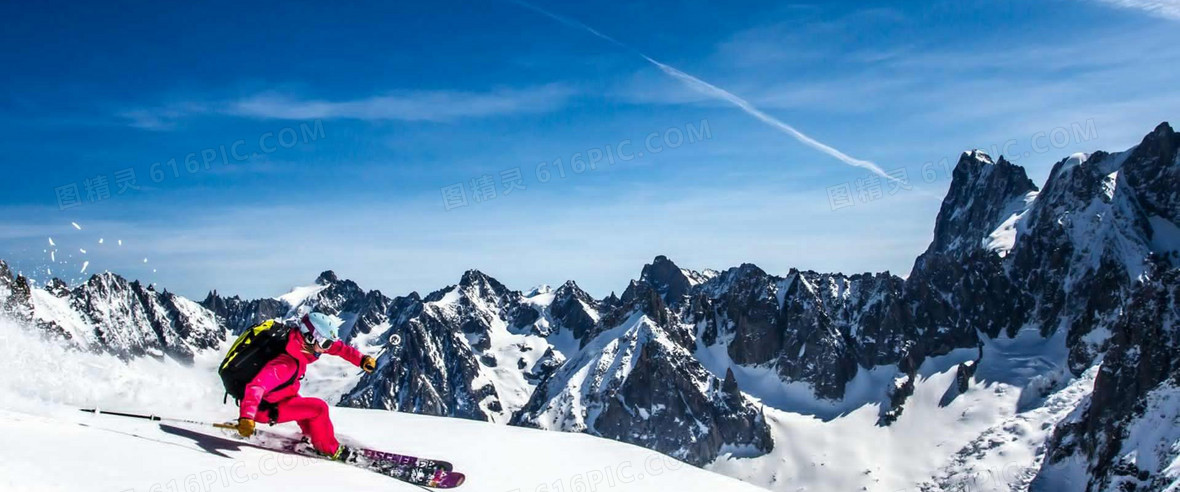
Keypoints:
(289, 442)
(405, 460)
(410, 469)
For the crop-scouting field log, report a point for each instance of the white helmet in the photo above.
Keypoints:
(320, 329)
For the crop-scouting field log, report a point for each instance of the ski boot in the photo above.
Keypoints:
(345, 454)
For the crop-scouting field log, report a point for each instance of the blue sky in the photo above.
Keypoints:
(352, 120)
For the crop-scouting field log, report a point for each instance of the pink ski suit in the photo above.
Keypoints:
(310, 413)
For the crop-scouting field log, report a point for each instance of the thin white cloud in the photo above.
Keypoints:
(1167, 9)
(163, 117)
(398, 106)
(407, 106)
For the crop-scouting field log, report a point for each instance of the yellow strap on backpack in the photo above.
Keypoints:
(245, 339)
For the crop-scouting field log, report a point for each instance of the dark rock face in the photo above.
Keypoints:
(462, 334)
(574, 309)
(611, 301)
(812, 327)
(1152, 170)
(328, 277)
(667, 278)
(1075, 256)
(57, 287)
(959, 284)
(549, 363)
(822, 328)
(1136, 301)
(361, 310)
(980, 198)
(430, 370)
(129, 320)
(126, 319)
(14, 295)
(864, 304)
(1144, 355)
(814, 349)
(238, 315)
(433, 366)
(644, 298)
(682, 422)
(741, 304)
(371, 312)
(643, 385)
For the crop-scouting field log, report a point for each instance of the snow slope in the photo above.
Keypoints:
(50, 445)
(985, 438)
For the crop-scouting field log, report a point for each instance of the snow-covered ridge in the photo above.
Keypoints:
(299, 295)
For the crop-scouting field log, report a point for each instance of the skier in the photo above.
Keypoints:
(274, 392)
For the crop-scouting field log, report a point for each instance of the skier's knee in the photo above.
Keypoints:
(320, 407)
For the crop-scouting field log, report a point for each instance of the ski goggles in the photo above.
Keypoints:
(323, 343)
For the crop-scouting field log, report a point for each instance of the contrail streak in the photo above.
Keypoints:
(717, 93)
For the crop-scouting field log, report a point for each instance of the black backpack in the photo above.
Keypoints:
(250, 352)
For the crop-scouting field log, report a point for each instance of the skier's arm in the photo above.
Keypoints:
(346, 352)
(274, 373)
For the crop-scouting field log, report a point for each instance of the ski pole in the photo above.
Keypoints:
(157, 418)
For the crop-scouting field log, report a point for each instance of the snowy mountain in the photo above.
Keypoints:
(1122, 437)
(639, 383)
(1033, 345)
(361, 311)
(109, 314)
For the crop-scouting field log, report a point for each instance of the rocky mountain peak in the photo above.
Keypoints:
(575, 309)
(1162, 132)
(104, 282)
(611, 301)
(636, 290)
(238, 315)
(211, 297)
(473, 277)
(14, 294)
(736, 279)
(1153, 169)
(539, 290)
(982, 195)
(978, 156)
(667, 278)
(57, 287)
(644, 297)
(327, 278)
(571, 289)
(730, 384)
(482, 285)
(748, 270)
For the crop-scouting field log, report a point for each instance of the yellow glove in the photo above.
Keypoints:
(369, 364)
(246, 427)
